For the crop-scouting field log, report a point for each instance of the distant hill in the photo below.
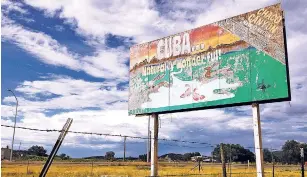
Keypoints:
(94, 157)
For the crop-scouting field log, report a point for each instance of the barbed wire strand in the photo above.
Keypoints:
(120, 135)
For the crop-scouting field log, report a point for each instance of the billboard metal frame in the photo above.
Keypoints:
(255, 113)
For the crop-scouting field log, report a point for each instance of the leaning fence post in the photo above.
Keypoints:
(223, 160)
(28, 167)
(92, 167)
(56, 147)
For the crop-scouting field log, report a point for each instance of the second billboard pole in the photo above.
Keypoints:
(258, 140)
(154, 147)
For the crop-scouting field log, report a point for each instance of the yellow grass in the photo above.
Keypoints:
(135, 169)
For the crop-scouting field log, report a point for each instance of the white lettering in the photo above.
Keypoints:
(160, 50)
(176, 45)
(186, 46)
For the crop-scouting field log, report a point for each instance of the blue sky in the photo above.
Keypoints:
(70, 58)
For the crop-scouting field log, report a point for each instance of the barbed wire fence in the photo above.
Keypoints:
(120, 135)
(167, 142)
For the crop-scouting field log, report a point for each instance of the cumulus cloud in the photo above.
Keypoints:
(143, 21)
(68, 94)
(106, 63)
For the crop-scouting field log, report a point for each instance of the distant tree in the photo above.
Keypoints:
(173, 156)
(291, 152)
(62, 156)
(187, 156)
(277, 156)
(143, 157)
(237, 152)
(37, 150)
(267, 155)
(110, 155)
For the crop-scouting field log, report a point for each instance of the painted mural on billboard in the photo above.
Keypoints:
(234, 61)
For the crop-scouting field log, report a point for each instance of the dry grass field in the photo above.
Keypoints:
(137, 169)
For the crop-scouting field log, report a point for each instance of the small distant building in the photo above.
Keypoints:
(5, 153)
(203, 158)
(195, 158)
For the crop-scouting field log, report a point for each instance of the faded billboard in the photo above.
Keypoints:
(235, 61)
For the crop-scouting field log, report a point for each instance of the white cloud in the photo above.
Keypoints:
(8, 6)
(68, 93)
(39, 44)
(142, 21)
(135, 18)
(223, 9)
(106, 63)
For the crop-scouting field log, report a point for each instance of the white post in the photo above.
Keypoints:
(154, 149)
(148, 141)
(258, 140)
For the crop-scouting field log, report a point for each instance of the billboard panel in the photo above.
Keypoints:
(236, 61)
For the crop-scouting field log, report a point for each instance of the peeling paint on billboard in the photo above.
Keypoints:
(235, 61)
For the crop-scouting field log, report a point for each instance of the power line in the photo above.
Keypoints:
(127, 136)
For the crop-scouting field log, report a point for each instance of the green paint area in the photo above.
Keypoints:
(259, 77)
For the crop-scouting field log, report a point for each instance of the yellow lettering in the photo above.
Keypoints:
(188, 62)
(251, 17)
(259, 21)
(144, 71)
(268, 16)
(260, 11)
(162, 67)
(183, 63)
(273, 28)
(277, 19)
(256, 19)
(265, 23)
(198, 60)
(265, 13)
(193, 61)
(148, 70)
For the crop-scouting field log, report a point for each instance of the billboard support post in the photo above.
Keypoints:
(258, 140)
(154, 149)
(148, 141)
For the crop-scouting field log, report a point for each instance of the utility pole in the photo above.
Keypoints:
(12, 148)
(302, 161)
(125, 148)
(148, 141)
(223, 160)
(149, 152)
(19, 145)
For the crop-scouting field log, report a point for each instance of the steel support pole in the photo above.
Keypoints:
(258, 140)
(148, 141)
(12, 147)
(154, 149)
(302, 162)
(125, 148)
